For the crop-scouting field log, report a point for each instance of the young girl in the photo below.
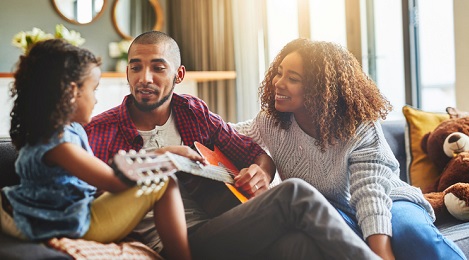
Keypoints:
(319, 121)
(54, 90)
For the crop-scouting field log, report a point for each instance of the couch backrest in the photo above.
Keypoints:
(394, 132)
(7, 163)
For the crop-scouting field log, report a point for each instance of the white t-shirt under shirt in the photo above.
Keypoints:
(161, 136)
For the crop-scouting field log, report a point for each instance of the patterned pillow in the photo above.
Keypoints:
(84, 249)
(420, 170)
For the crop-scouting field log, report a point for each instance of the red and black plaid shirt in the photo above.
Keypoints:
(113, 130)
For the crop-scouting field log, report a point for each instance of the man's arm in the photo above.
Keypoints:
(257, 168)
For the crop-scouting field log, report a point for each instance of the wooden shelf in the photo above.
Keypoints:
(199, 76)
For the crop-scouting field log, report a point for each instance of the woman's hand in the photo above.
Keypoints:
(252, 180)
(256, 179)
(381, 245)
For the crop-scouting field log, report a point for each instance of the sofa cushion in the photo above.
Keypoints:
(457, 231)
(421, 171)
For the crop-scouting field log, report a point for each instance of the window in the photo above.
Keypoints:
(431, 59)
(436, 58)
(326, 23)
(282, 25)
(327, 20)
(383, 60)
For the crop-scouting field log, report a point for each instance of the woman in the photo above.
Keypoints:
(319, 120)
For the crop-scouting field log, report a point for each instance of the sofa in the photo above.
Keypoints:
(11, 248)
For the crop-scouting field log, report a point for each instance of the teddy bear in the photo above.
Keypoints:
(447, 146)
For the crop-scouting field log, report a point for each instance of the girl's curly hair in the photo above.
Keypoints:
(338, 94)
(42, 89)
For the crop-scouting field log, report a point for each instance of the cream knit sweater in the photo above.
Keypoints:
(359, 177)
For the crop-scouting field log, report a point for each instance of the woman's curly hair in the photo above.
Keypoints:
(42, 91)
(338, 94)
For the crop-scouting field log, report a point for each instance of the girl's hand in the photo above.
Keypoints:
(182, 150)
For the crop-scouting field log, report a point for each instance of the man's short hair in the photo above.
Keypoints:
(157, 37)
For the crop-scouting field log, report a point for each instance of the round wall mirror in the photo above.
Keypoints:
(79, 11)
(133, 17)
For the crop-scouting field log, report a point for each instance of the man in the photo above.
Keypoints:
(292, 220)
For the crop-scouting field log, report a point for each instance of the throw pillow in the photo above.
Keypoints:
(420, 170)
(81, 249)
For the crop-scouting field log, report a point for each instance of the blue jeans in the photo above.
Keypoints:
(414, 236)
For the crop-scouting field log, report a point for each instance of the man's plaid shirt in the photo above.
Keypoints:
(113, 130)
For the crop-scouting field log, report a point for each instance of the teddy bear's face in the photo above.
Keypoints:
(433, 142)
(455, 143)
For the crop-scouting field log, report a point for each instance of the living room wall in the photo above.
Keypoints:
(23, 15)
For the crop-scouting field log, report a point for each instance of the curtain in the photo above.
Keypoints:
(249, 17)
(204, 32)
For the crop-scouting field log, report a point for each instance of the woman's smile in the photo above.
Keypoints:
(281, 97)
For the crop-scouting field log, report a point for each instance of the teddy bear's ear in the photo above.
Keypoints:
(456, 113)
(423, 142)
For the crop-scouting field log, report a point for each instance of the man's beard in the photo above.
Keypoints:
(145, 107)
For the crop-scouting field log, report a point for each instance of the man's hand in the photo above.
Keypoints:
(182, 150)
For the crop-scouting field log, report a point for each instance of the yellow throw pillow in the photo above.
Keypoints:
(421, 171)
